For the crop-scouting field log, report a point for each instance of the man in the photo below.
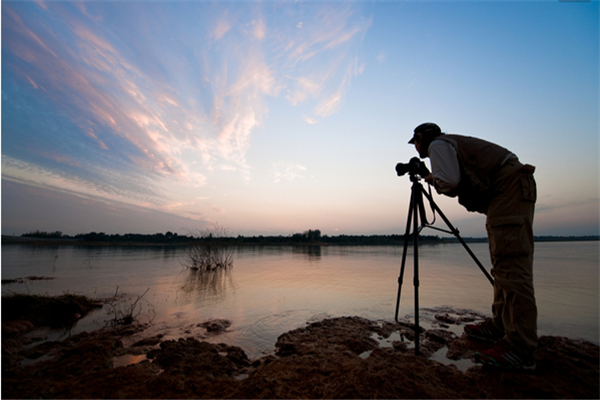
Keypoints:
(490, 180)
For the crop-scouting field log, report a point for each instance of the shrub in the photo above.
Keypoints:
(126, 311)
(209, 251)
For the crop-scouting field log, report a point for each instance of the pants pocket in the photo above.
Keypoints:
(508, 237)
(528, 187)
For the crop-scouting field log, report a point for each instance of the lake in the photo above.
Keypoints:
(271, 290)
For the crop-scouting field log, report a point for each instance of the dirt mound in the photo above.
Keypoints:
(56, 312)
(347, 357)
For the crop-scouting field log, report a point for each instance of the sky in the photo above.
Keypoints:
(272, 118)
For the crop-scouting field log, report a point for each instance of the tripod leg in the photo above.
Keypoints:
(406, 239)
(417, 208)
(460, 239)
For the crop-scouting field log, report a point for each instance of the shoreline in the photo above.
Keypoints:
(343, 357)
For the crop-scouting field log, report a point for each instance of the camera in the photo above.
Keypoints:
(413, 167)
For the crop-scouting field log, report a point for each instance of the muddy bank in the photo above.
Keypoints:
(56, 312)
(348, 357)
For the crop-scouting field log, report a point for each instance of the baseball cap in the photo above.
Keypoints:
(428, 127)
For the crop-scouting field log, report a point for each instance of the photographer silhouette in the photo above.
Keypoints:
(489, 179)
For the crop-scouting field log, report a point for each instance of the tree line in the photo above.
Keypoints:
(309, 237)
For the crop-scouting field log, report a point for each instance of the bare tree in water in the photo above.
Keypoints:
(209, 251)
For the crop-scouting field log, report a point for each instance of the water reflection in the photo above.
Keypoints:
(271, 286)
(313, 253)
(169, 252)
(208, 285)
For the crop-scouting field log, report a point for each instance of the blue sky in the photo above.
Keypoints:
(277, 117)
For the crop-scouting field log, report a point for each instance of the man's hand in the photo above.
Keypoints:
(429, 179)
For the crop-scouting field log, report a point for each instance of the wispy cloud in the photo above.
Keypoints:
(223, 26)
(137, 107)
(316, 60)
(283, 170)
(309, 120)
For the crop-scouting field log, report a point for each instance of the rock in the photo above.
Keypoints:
(151, 341)
(401, 346)
(446, 318)
(216, 325)
(16, 327)
(464, 348)
(332, 358)
(330, 335)
(456, 317)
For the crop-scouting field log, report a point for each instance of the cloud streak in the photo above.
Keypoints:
(282, 170)
(331, 40)
(125, 112)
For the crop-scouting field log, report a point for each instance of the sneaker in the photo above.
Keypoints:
(485, 330)
(503, 356)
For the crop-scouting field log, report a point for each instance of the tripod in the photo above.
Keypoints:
(416, 209)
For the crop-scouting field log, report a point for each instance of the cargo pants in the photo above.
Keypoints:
(510, 233)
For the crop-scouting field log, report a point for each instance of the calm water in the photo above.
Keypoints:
(270, 290)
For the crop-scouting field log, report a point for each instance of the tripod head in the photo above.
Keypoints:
(414, 168)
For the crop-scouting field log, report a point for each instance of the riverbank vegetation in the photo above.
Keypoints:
(125, 310)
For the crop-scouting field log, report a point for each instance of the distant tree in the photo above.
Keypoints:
(43, 235)
(312, 236)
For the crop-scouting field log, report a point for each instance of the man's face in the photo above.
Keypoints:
(422, 153)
